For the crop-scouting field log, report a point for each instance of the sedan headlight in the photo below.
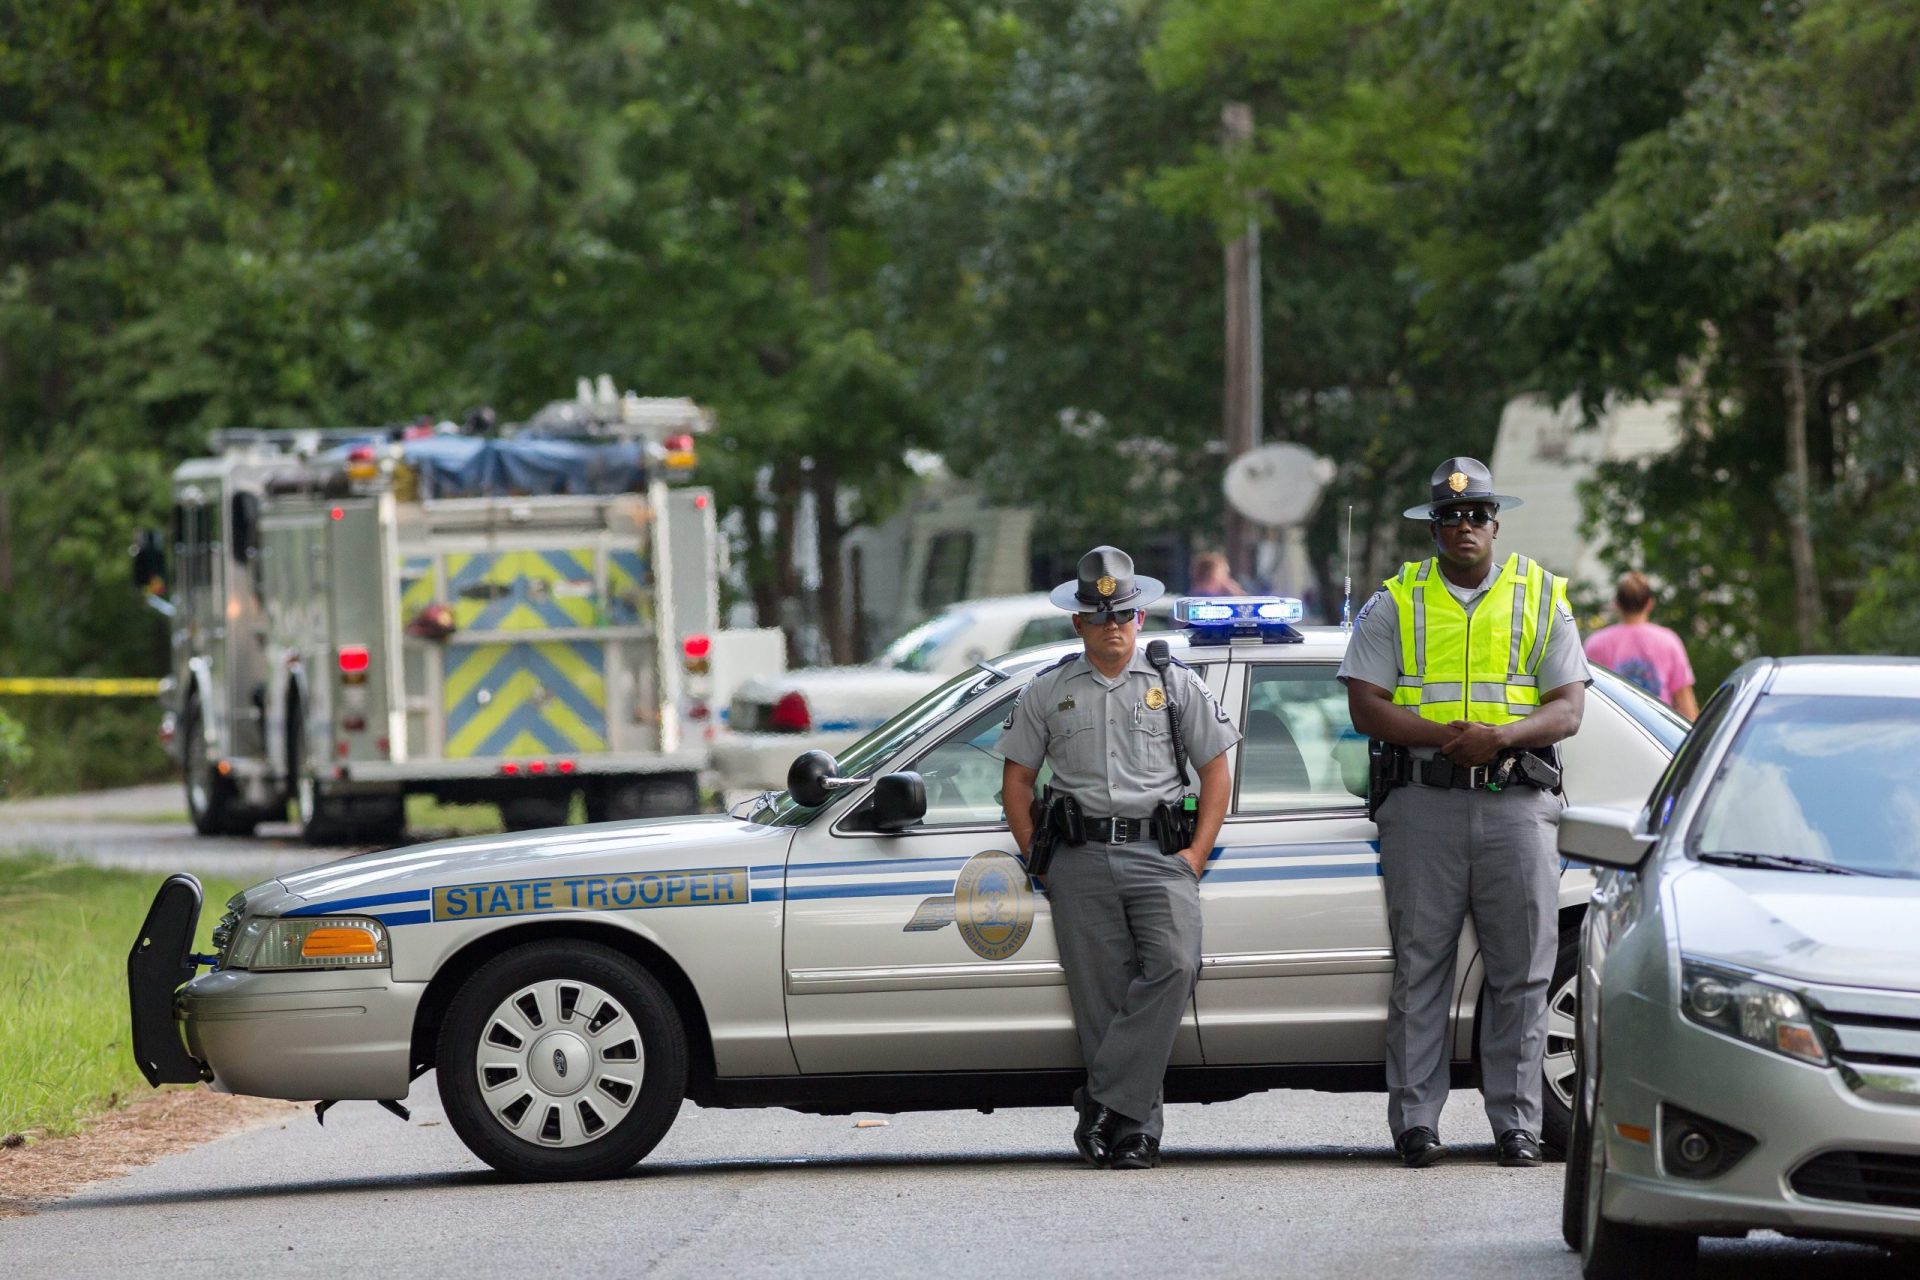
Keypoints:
(1732, 1003)
(310, 942)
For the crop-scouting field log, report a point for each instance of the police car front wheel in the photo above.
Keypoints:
(562, 1060)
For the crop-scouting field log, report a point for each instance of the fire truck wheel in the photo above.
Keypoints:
(212, 801)
(312, 808)
(528, 813)
(663, 795)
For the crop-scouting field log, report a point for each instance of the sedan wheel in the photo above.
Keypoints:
(562, 1060)
(1612, 1250)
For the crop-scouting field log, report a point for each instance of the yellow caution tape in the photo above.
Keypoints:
(103, 688)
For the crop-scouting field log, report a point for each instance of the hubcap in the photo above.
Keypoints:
(559, 1063)
(1562, 1034)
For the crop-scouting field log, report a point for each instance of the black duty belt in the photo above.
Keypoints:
(1116, 830)
(1442, 772)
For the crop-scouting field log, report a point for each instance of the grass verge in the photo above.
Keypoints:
(65, 930)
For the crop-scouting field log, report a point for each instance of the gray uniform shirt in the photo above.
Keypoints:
(1109, 747)
(1373, 651)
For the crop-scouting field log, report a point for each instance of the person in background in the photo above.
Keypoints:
(1644, 653)
(1209, 577)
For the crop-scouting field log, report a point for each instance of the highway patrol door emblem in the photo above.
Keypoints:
(993, 904)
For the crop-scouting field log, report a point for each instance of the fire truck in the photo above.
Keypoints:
(510, 618)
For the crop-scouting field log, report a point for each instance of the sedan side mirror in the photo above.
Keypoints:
(899, 801)
(1604, 837)
(812, 780)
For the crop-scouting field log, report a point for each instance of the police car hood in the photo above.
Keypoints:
(709, 840)
(1845, 930)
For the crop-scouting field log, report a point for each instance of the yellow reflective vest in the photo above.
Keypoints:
(1482, 670)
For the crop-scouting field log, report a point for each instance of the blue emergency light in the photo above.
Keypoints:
(1217, 619)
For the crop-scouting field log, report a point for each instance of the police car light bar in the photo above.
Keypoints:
(1266, 618)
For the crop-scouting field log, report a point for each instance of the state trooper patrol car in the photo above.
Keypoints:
(866, 940)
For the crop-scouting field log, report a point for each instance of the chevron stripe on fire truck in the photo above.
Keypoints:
(511, 699)
(523, 590)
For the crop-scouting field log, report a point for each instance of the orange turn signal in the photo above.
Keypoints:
(334, 941)
(1635, 1133)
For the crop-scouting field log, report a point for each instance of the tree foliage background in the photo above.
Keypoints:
(857, 227)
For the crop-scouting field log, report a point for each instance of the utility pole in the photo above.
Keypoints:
(1243, 389)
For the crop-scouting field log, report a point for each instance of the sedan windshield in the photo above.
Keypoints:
(919, 649)
(777, 808)
(1818, 783)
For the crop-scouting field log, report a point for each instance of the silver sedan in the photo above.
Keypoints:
(1749, 996)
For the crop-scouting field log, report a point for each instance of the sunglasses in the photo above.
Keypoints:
(1478, 517)
(1125, 617)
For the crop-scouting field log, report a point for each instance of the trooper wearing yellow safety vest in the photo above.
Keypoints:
(1465, 671)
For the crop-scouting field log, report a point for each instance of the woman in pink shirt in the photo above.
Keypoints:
(1642, 652)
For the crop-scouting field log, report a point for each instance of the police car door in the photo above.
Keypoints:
(929, 950)
(1297, 960)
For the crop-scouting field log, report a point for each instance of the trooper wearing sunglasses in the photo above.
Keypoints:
(1465, 670)
(1126, 915)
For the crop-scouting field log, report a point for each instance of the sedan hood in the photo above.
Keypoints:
(656, 843)
(841, 699)
(1855, 931)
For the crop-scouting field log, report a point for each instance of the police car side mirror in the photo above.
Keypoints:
(1603, 837)
(899, 801)
(812, 780)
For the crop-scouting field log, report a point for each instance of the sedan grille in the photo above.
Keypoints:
(1861, 1177)
(1874, 1037)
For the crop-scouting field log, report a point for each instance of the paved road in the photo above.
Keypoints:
(145, 829)
(1291, 1184)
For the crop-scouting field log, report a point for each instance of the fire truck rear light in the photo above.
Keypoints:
(340, 749)
(566, 766)
(338, 513)
(225, 767)
(537, 766)
(790, 714)
(697, 711)
(510, 769)
(353, 659)
(360, 453)
(696, 646)
(353, 724)
(700, 501)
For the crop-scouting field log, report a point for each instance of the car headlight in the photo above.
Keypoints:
(310, 942)
(1732, 1003)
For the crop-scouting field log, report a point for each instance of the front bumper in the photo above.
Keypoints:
(1795, 1110)
(343, 1034)
(759, 761)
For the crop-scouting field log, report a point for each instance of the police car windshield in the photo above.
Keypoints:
(893, 737)
(1645, 710)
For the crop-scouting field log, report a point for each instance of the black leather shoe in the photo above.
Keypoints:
(1520, 1150)
(1094, 1134)
(1136, 1151)
(1419, 1147)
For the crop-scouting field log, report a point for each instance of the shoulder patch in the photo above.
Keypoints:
(1367, 607)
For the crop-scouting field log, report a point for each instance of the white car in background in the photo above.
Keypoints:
(774, 718)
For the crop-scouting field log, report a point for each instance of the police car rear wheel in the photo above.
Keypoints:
(1558, 1064)
(562, 1060)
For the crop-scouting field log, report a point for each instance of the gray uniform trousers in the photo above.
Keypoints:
(1445, 854)
(1127, 921)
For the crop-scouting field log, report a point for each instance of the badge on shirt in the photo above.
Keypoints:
(1068, 704)
(1156, 699)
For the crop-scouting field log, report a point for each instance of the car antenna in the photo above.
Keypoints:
(1346, 575)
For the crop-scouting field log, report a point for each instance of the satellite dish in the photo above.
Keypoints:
(1277, 484)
